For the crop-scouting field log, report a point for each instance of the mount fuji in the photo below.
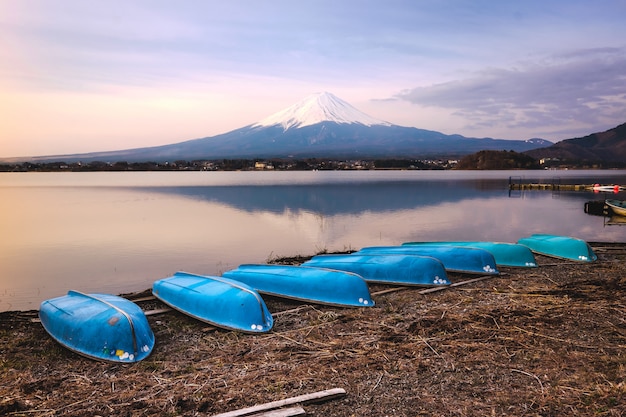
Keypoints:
(319, 108)
(320, 126)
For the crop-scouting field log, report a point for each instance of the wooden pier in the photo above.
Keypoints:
(550, 186)
(518, 183)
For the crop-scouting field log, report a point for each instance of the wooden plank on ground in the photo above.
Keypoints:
(281, 412)
(158, 311)
(389, 290)
(434, 289)
(457, 284)
(325, 395)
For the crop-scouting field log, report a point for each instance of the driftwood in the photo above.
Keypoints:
(457, 284)
(301, 399)
(282, 412)
(434, 289)
(157, 311)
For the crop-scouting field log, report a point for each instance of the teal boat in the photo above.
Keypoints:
(505, 254)
(303, 283)
(453, 258)
(99, 326)
(219, 301)
(563, 247)
(387, 269)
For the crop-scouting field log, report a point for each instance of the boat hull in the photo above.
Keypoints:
(387, 269)
(99, 326)
(618, 207)
(608, 188)
(505, 254)
(563, 247)
(454, 259)
(307, 284)
(215, 300)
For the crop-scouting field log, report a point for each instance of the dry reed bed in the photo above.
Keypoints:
(549, 341)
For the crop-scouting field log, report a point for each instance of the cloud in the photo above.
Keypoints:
(583, 86)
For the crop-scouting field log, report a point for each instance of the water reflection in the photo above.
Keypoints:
(332, 199)
(121, 238)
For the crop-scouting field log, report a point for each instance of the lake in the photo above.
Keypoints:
(117, 232)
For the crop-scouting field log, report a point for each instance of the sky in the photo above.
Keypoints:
(88, 75)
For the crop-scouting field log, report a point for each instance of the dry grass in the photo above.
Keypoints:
(549, 341)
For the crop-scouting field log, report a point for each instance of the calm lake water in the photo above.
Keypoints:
(118, 232)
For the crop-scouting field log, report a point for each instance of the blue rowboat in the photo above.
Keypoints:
(387, 269)
(303, 283)
(218, 301)
(453, 258)
(505, 254)
(563, 247)
(99, 326)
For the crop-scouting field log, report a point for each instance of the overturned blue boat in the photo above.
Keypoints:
(219, 301)
(453, 258)
(387, 269)
(99, 326)
(505, 254)
(564, 247)
(317, 285)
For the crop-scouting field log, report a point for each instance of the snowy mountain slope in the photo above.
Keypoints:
(318, 108)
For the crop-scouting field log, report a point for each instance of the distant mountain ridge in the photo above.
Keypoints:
(319, 126)
(609, 145)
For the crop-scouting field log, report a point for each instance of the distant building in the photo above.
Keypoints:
(263, 165)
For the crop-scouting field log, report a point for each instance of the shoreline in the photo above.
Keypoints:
(531, 341)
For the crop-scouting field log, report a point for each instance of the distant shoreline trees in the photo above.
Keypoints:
(309, 164)
(483, 160)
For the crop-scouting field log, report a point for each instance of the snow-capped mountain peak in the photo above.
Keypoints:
(318, 108)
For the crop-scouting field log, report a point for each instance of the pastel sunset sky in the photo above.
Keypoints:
(86, 75)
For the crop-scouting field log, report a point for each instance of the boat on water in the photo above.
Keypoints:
(454, 259)
(607, 188)
(303, 283)
(618, 207)
(397, 269)
(563, 247)
(219, 301)
(99, 326)
(505, 254)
